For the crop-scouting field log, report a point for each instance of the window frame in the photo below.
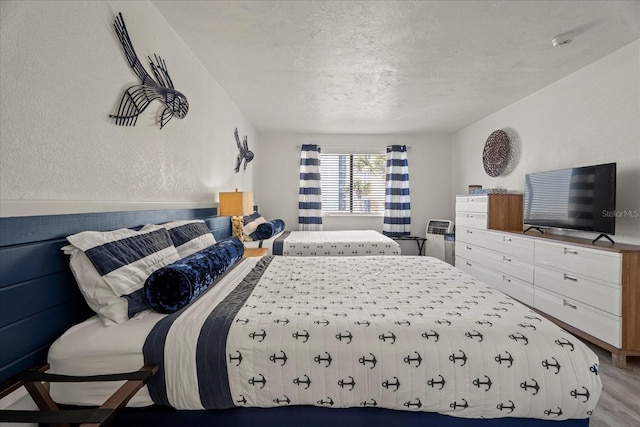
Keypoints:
(352, 155)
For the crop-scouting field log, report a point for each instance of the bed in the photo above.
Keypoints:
(329, 243)
(406, 304)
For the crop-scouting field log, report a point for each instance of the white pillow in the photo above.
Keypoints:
(189, 236)
(110, 265)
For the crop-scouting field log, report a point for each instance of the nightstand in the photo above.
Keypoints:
(254, 252)
(420, 241)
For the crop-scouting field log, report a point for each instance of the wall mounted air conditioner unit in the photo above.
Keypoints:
(436, 245)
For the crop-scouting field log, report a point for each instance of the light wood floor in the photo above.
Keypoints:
(619, 404)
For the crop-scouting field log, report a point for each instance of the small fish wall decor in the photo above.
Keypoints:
(138, 97)
(243, 152)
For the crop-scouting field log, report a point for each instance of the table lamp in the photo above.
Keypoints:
(236, 204)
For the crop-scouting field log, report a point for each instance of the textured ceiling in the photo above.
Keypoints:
(344, 67)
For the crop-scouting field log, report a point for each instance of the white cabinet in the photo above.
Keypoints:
(592, 290)
(490, 211)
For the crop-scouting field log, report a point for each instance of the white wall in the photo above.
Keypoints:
(63, 72)
(592, 116)
(428, 158)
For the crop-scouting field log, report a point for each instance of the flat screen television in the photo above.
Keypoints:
(582, 198)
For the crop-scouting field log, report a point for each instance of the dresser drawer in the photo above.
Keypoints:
(470, 235)
(475, 269)
(468, 266)
(472, 252)
(516, 288)
(601, 295)
(519, 247)
(595, 322)
(472, 203)
(508, 264)
(594, 263)
(496, 260)
(471, 219)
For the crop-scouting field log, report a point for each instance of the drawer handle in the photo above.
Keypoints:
(567, 277)
(506, 279)
(469, 216)
(504, 258)
(570, 251)
(469, 247)
(469, 232)
(565, 303)
(468, 263)
(506, 239)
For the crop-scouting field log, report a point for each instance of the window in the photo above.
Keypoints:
(353, 183)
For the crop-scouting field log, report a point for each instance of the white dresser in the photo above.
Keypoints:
(592, 290)
(489, 211)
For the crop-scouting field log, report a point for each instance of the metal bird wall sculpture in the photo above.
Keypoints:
(138, 97)
(243, 152)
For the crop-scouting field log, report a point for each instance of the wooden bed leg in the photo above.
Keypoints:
(619, 360)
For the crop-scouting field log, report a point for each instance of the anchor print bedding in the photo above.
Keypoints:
(335, 243)
(405, 333)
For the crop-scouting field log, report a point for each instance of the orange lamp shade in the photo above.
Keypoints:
(235, 203)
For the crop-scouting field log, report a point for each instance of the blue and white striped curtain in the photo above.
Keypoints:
(397, 205)
(309, 196)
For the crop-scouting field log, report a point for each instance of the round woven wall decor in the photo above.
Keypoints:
(497, 153)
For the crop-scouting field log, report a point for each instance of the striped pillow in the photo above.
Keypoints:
(251, 223)
(110, 265)
(189, 236)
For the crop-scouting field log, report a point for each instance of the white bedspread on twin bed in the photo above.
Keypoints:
(335, 243)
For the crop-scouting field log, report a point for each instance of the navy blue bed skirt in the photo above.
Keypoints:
(311, 416)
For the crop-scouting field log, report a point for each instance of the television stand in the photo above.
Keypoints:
(605, 236)
(536, 228)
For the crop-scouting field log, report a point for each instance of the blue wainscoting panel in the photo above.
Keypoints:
(39, 298)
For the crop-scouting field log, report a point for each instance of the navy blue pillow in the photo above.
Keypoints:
(173, 286)
(270, 228)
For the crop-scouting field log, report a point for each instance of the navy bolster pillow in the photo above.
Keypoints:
(173, 286)
(270, 228)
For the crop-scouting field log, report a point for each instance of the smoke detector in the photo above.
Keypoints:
(562, 39)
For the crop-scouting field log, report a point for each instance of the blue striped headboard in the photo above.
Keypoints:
(39, 298)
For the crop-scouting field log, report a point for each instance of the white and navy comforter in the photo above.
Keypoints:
(335, 243)
(407, 333)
